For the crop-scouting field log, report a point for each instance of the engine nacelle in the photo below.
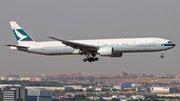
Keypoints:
(108, 51)
(116, 54)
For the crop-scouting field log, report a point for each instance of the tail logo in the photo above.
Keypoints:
(20, 34)
(21, 37)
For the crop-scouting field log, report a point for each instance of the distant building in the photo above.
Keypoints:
(13, 78)
(123, 98)
(126, 84)
(123, 74)
(76, 75)
(169, 95)
(118, 88)
(160, 89)
(21, 93)
(39, 95)
(73, 86)
(10, 77)
(25, 78)
(44, 75)
(143, 89)
(3, 78)
(30, 78)
(13, 93)
(163, 89)
(3, 86)
(136, 84)
(9, 95)
(47, 88)
(137, 97)
(17, 78)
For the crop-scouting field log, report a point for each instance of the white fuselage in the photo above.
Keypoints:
(122, 45)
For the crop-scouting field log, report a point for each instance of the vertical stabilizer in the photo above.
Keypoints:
(20, 34)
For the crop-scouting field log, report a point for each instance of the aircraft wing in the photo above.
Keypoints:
(16, 46)
(76, 45)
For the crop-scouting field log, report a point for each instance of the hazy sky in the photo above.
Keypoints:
(82, 19)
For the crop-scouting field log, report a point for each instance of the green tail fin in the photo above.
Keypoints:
(20, 34)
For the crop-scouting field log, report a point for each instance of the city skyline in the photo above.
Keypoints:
(73, 74)
(90, 20)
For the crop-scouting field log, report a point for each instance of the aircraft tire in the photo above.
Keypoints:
(84, 59)
(89, 59)
(96, 59)
(162, 56)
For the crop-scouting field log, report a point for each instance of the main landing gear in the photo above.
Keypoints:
(91, 58)
(162, 54)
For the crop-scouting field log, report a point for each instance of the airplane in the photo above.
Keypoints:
(89, 48)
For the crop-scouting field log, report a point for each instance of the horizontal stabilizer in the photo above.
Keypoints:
(16, 46)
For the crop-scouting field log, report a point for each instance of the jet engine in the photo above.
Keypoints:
(109, 51)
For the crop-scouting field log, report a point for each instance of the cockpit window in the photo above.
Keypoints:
(169, 41)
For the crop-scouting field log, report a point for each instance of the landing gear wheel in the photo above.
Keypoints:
(162, 56)
(92, 59)
(84, 59)
(89, 59)
(93, 55)
(96, 59)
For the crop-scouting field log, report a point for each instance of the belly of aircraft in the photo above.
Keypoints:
(52, 50)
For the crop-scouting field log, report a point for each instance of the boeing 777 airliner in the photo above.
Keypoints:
(88, 48)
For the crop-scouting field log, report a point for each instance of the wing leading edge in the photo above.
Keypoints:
(77, 45)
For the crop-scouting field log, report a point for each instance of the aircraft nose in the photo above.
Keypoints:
(174, 45)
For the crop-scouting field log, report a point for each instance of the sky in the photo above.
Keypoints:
(90, 19)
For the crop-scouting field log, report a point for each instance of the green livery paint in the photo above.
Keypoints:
(21, 35)
(169, 44)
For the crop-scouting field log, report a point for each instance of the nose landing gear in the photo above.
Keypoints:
(162, 54)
